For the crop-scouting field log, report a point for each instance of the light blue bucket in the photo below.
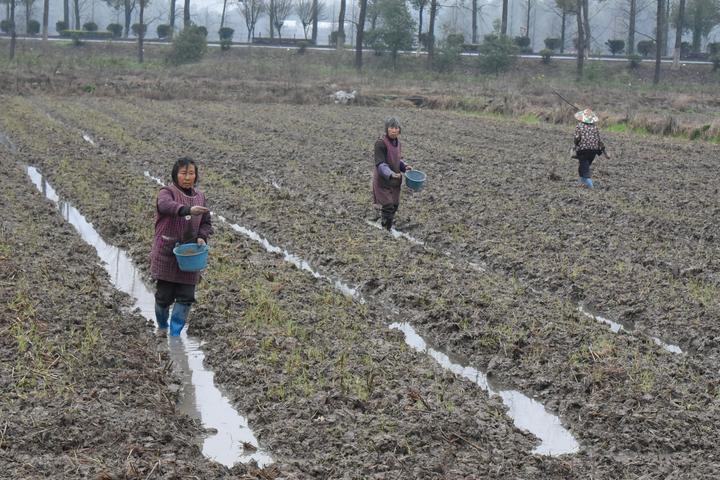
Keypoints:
(415, 179)
(191, 257)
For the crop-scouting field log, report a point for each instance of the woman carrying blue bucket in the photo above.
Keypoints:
(387, 174)
(182, 217)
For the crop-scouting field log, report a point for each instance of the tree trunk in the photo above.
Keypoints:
(658, 41)
(141, 33)
(315, 22)
(504, 21)
(172, 18)
(527, 20)
(46, 10)
(631, 27)
(697, 31)
(222, 17)
(128, 18)
(586, 27)
(666, 27)
(431, 32)
(340, 38)
(474, 21)
(76, 11)
(678, 34)
(271, 14)
(420, 20)
(580, 41)
(27, 14)
(13, 30)
(562, 32)
(360, 34)
(186, 14)
(66, 13)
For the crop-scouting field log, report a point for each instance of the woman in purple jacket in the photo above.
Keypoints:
(387, 174)
(182, 217)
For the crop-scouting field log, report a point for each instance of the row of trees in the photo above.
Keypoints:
(390, 24)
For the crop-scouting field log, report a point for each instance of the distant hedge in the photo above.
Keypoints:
(85, 34)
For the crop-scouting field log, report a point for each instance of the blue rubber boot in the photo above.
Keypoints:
(178, 318)
(586, 181)
(161, 315)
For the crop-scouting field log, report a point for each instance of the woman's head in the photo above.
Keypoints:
(185, 173)
(392, 127)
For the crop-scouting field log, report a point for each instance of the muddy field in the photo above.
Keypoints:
(501, 255)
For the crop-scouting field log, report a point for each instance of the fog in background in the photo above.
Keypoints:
(608, 19)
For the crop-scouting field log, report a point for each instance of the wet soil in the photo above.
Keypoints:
(86, 392)
(511, 248)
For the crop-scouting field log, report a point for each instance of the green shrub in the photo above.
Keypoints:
(497, 54)
(615, 46)
(448, 53)
(189, 46)
(5, 25)
(546, 55)
(33, 27)
(713, 48)
(163, 31)
(202, 30)
(226, 36)
(60, 26)
(523, 44)
(115, 30)
(90, 27)
(715, 59)
(136, 28)
(634, 61)
(552, 43)
(302, 46)
(645, 47)
(374, 39)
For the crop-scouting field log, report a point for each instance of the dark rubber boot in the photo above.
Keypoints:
(161, 315)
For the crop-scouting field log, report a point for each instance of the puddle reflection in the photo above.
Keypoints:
(616, 327)
(287, 256)
(200, 398)
(526, 413)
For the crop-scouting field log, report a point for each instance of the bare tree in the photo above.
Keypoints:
(279, 11)
(46, 11)
(431, 32)
(141, 32)
(563, 9)
(340, 37)
(66, 13)
(678, 34)
(28, 12)
(316, 13)
(186, 14)
(504, 18)
(222, 17)
(13, 30)
(308, 11)
(251, 11)
(360, 34)
(659, 41)
(172, 17)
(420, 5)
(580, 40)
(474, 21)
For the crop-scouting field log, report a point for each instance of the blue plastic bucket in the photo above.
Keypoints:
(415, 179)
(191, 257)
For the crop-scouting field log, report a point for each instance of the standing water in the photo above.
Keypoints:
(526, 413)
(201, 398)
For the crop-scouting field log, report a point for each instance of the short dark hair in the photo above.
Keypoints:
(184, 162)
